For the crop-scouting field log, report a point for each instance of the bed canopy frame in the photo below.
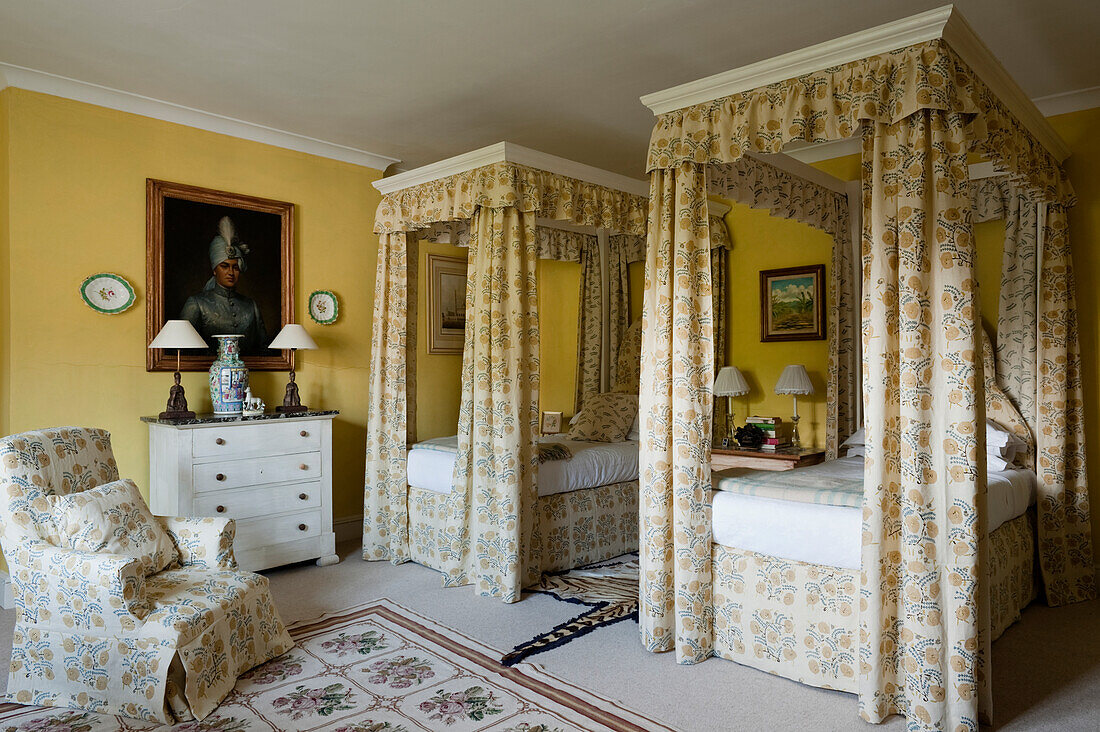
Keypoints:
(510, 205)
(921, 95)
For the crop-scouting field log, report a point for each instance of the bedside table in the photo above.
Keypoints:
(788, 458)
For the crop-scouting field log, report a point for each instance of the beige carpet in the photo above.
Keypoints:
(1046, 668)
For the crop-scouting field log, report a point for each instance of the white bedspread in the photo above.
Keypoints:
(431, 463)
(832, 535)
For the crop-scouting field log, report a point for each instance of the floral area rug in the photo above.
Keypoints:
(379, 667)
(608, 589)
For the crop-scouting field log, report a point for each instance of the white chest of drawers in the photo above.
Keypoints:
(273, 474)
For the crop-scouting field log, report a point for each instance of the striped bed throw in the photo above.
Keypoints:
(820, 484)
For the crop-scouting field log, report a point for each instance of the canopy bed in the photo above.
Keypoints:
(909, 628)
(475, 507)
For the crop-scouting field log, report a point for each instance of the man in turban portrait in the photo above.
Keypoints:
(220, 309)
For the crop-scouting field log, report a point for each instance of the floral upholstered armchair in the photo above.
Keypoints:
(108, 633)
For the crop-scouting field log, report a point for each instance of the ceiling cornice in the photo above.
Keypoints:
(1066, 102)
(945, 22)
(507, 152)
(82, 91)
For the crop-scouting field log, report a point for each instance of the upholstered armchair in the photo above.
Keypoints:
(93, 632)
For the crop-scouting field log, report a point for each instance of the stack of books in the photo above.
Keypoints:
(777, 433)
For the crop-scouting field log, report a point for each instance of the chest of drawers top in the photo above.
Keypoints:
(217, 437)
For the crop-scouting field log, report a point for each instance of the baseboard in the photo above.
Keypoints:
(348, 528)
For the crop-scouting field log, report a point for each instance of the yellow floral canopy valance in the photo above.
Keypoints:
(529, 190)
(832, 104)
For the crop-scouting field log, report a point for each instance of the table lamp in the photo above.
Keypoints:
(730, 383)
(794, 380)
(293, 337)
(177, 334)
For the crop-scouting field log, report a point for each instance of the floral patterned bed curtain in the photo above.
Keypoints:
(487, 539)
(494, 209)
(675, 608)
(924, 625)
(385, 512)
(758, 184)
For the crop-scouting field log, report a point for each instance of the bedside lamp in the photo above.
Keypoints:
(177, 334)
(730, 383)
(293, 337)
(794, 380)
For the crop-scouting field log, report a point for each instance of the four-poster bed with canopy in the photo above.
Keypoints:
(909, 629)
(486, 518)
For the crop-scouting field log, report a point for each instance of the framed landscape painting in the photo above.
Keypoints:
(446, 304)
(792, 303)
(223, 261)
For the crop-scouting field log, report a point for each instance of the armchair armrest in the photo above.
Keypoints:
(203, 542)
(80, 590)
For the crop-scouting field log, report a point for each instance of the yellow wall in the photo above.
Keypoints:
(439, 378)
(5, 293)
(760, 242)
(77, 206)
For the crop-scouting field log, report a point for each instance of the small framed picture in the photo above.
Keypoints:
(792, 303)
(446, 304)
(551, 423)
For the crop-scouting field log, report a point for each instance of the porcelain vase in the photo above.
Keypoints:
(228, 376)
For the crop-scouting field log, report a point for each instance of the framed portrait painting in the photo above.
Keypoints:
(792, 303)
(223, 261)
(446, 304)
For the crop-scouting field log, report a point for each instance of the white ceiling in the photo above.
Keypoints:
(422, 80)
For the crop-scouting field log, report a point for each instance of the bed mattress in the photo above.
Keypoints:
(819, 533)
(431, 463)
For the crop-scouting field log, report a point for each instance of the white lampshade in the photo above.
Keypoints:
(730, 382)
(178, 334)
(292, 336)
(794, 380)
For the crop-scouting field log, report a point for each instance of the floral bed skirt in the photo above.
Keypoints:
(801, 620)
(571, 529)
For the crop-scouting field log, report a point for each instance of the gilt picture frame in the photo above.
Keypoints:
(446, 304)
(792, 303)
(185, 232)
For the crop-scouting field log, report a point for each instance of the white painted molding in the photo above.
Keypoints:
(800, 169)
(716, 208)
(805, 152)
(507, 152)
(1066, 102)
(82, 91)
(853, 47)
(7, 601)
(945, 22)
(349, 528)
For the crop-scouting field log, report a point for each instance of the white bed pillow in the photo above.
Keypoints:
(605, 418)
(856, 451)
(1001, 442)
(859, 437)
(635, 433)
(996, 464)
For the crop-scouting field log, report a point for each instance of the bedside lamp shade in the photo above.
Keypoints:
(293, 336)
(178, 334)
(730, 382)
(794, 380)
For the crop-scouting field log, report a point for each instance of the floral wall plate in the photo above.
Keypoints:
(107, 293)
(323, 307)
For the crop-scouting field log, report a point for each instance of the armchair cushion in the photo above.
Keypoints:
(203, 542)
(113, 518)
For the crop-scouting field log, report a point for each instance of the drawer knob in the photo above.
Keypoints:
(219, 476)
(302, 527)
(303, 433)
(303, 466)
(303, 496)
(219, 441)
(220, 509)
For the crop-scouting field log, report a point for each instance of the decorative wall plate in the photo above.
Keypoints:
(323, 307)
(107, 293)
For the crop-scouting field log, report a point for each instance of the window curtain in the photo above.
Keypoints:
(385, 511)
(923, 651)
(675, 607)
(490, 511)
